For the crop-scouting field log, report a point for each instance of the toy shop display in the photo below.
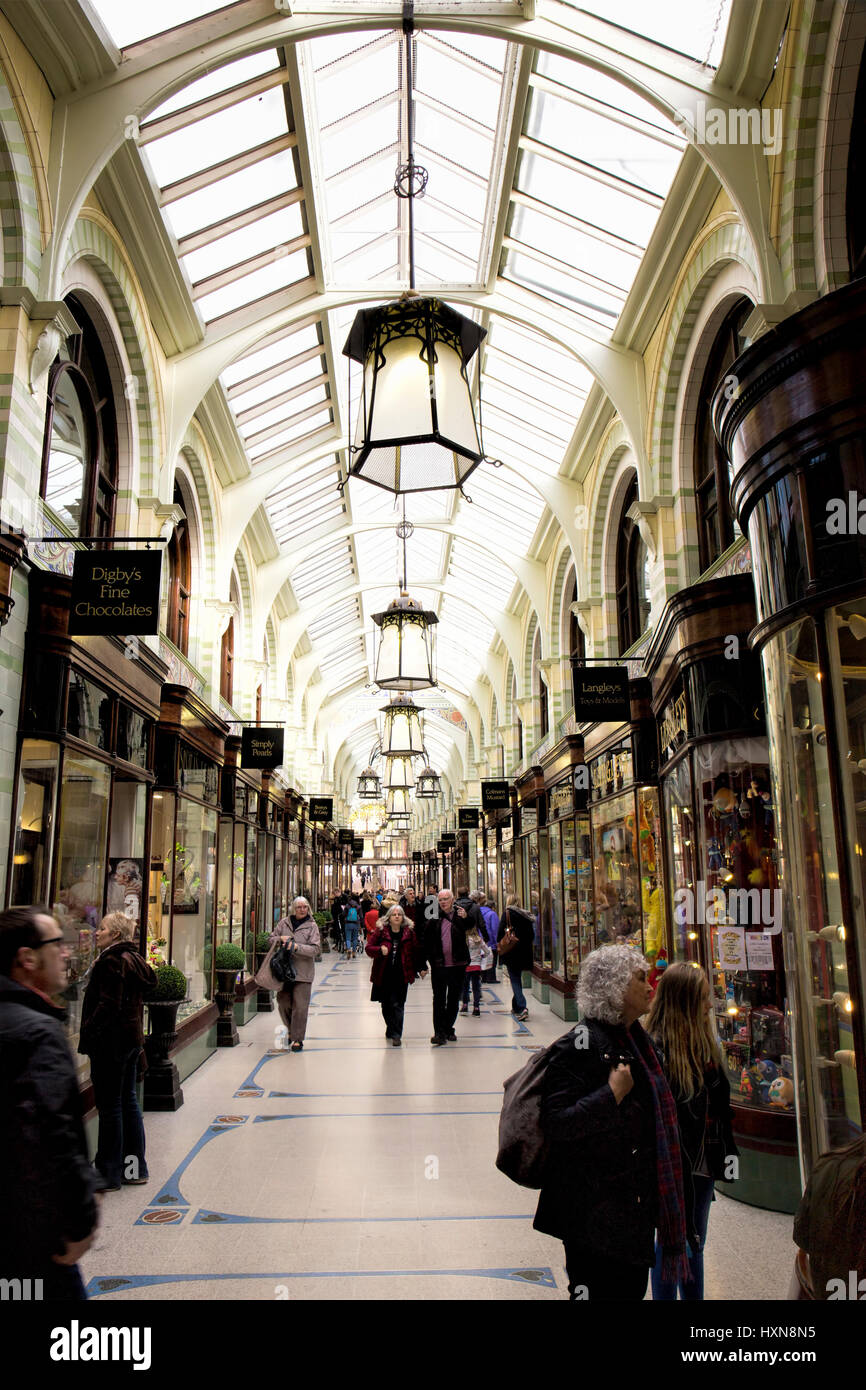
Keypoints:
(626, 852)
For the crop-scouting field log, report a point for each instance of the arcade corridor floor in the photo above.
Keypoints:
(340, 1171)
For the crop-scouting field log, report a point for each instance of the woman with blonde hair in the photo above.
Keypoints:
(112, 1036)
(679, 1023)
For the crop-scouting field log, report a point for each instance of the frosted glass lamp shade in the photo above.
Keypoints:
(404, 659)
(428, 784)
(397, 803)
(402, 728)
(369, 787)
(399, 773)
(416, 428)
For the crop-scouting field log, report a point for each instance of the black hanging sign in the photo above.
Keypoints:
(600, 694)
(468, 818)
(417, 856)
(441, 848)
(347, 837)
(494, 796)
(449, 839)
(357, 845)
(115, 593)
(321, 809)
(262, 748)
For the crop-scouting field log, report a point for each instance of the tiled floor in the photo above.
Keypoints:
(352, 1165)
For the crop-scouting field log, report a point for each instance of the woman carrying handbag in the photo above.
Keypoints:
(299, 934)
(516, 935)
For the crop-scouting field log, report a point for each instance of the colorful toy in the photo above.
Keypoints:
(781, 1093)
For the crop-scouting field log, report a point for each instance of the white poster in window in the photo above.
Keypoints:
(732, 948)
(759, 950)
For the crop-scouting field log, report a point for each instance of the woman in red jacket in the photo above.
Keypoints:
(394, 949)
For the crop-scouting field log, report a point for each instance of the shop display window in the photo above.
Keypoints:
(578, 949)
(629, 897)
(682, 848)
(183, 862)
(34, 831)
(279, 878)
(133, 735)
(556, 905)
(824, 939)
(126, 869)
(737, 901)
(224, 881)
(88, 712)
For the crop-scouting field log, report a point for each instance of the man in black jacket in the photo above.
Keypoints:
(442, 939)
(48, 1206)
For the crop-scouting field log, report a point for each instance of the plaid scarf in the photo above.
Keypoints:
(669, 1167)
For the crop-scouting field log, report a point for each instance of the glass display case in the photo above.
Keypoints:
(629, 906)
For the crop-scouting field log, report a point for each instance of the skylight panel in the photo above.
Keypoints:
(544, 415)
(476, 89)
(602, 88)
(467, 145)
(226, 196)
(364, 182)
(279, 351)
(286, 270)
(561, 285)
(615, 209)
(128, 23)
(343, 144)
(255, 424)
(695, 30)
(273, 230)
(628, 154)
(614, 264)
(347, 87)
(229, 75)
(290, 435)
(227, 133)
(519, 378)
(285, 381)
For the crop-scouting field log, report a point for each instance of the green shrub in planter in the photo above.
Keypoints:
(229, 957)
(263, 941)
(170, 985)
(322, 919)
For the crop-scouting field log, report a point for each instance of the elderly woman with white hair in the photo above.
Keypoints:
(614, 1172)
(300, 934)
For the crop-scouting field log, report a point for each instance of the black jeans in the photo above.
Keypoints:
(598, 1279)
(120, 1149)
(393, 1007)
(447, 988)
(474, 978)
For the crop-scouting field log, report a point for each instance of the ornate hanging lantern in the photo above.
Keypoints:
(399, 773)
(416, 427)
(402, 734)
(428, 783)
(397, 802)
(404, 658)
(369, 786)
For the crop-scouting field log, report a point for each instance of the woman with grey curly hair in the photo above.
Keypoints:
(614, 1172)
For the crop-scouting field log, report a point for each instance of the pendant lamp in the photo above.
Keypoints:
(402, 733)
(428, 784)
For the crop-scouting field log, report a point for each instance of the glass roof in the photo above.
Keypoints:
(276, 188)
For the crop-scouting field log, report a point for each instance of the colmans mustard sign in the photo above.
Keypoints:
(115, 593)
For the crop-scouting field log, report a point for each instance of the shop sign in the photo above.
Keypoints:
(346, 837)
(494, 796)
(417, 856)
(468, 818)
(321, 809)
(449, 839)
(600, 695)
(262, 748)
(673, 728)
(115, 593)
(612, 771)
(561, 800)
(357, 845)
(441, 848)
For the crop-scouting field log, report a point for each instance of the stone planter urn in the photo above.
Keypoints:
(227, 1029)
(162, 1089)
(264, 997)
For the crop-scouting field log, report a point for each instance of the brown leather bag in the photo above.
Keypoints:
(509, 939)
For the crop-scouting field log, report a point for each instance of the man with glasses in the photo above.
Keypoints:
(49, 1211)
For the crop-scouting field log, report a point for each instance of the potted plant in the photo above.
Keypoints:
(264, 998)
(323, 922)
(161, 1081)
(228, 961)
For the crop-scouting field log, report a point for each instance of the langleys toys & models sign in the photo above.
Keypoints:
(600, 695)
(115, 593)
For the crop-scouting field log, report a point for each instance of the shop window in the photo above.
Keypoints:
(712, 469)
(856, 203)
(79, 456)
(180, 580)
(632, 587)
(227, 663)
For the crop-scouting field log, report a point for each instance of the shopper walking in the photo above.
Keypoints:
(112, 1036)
(491, 925)
(679, 1022)
(443, 946)
(352, 926)
(396, 963)
(613, 1173)
(516, 930)
(49, 1211)
(480, 957)
(411, 906)
(300, 934)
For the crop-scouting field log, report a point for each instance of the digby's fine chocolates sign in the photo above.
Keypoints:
(262, 748)
(115, 593)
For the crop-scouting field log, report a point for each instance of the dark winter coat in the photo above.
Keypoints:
(111, 1015)
(46, 1179)
(704, 1125)
(414, 911)
(430, 939)
(410, 962)
(524, 930)
(600, 1185)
